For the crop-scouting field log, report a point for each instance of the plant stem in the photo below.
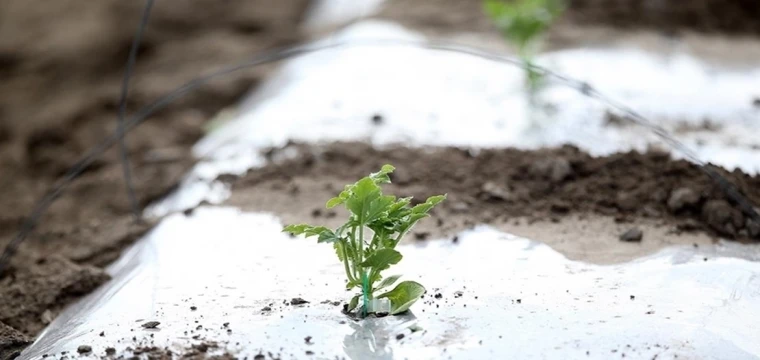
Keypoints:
(345, 264)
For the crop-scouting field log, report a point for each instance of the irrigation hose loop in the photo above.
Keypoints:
(123, 151)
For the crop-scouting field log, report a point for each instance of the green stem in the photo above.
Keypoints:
(345, 264)
(399, 237)
(354, 254)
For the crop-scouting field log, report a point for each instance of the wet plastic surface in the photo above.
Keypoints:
(490, 295)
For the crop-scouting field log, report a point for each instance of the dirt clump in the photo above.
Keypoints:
(11, 342)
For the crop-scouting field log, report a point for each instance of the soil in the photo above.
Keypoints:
(61, 65)
(502, 186)
(737, 17)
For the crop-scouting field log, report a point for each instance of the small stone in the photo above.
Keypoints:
(626, 201)
(298, 301)
(259, 357)
(266, 308)
(460, 207)
(399, 336)
(681, 198)
(756, 102)
(633, 297)
(721, 217)
(151, 324)
(753, 228)
(84, 349)
(193, 308)
(632, 235)
(307, 340)
(47, 317)
(495, 192)
(309, 352)
(555, 169)
(110, 351)
(102, 333)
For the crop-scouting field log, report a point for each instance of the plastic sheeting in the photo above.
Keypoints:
(500, 297)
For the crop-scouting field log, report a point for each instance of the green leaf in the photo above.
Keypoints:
(381, 177)
(333, 202)
(387, 282)
(341, 198)
(327, 236)
(339, 250)
(403, 296)
(428, 204)
(364, 193)
(382, 259)
(354, 301)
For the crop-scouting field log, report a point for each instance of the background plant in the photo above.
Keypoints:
(523, 23)
(366, 242)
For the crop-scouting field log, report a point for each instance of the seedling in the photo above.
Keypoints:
(366, 242)
(523, 22)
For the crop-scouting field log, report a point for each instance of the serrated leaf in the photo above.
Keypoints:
(364, 193)
(428, 204)
(333, 202)
(403, 296)
(338, 246)
(382, 259)
(296, 229)
(327, 237)
(387, 282)
(353, 303)
(381, 177)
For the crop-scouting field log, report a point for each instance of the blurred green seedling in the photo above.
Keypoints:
(523, 23)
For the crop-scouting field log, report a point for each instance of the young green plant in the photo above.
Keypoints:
(366, 243)
(523, 23)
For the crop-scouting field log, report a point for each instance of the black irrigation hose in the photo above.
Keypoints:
(289, 52)
(123, 151)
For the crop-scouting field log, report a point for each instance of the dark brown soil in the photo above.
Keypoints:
(61, 65)
(710, 16)
(491, 185)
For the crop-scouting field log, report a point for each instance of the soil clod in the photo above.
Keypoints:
(632, 235)
(11, 342)
(298, 301)
(377, 119)
(399, 336)
(84, 349)
(151, 324)
(307, 340)
(721, 217)
(682, 198)
(110, 351)
(421, 236)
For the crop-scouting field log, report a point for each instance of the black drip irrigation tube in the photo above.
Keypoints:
(299, 50)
